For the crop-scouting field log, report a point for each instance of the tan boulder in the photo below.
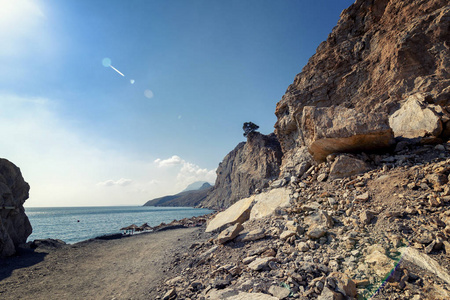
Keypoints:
(378, 261)
(417, 118)
(267, 203)
(337, 129)
(425, 262)
(236, 213)
(346, 166)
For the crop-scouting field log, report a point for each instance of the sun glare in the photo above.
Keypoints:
(16, 16)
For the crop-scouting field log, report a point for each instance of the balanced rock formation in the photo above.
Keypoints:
(379, 54)
(249, 167)
(14, 224)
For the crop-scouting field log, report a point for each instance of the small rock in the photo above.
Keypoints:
(286, 234)
(260, 263)
(302, 246)
(322, 177)
(316, 232)
(229, 233)
(171, 294)
(279, 292)
(363, 197)
(366, 216)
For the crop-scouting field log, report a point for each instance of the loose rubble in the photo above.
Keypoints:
(382, 234)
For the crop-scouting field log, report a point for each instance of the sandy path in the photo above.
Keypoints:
(127, 268)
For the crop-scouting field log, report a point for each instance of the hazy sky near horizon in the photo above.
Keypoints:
(116, 102)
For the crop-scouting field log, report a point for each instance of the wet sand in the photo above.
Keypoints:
(126, 268)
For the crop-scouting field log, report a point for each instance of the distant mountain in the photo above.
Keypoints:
(189, 198)
(198, 185)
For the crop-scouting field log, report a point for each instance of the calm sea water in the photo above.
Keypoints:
(62, 222)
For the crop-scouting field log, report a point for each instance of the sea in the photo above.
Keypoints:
(76, 224)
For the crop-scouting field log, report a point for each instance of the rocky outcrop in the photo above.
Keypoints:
(246, 169)
(14, 224)
(379, 54)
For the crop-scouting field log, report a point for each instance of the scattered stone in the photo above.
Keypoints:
(260, 263)
(287, 234)
(366, 216)
(170, 294)
(229, 233)
(253, 235)
(363, 197)
(279, 292)
(346, 166)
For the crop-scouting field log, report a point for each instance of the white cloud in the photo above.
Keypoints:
(120, 182)
(187, 172)
(173, 161)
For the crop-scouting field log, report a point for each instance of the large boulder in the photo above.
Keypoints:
(335, 129)
(14, 224)
(267, 203)
(239, 212)
(418, 118)
(379, 53)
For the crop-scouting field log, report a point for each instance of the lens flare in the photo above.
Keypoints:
(148, 94)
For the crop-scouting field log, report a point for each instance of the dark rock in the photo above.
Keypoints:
(14, 224)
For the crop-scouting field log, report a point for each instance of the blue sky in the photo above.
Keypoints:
(194, 72)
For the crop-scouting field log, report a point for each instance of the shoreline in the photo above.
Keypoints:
(122, 268)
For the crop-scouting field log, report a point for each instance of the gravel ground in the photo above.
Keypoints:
(126, 268)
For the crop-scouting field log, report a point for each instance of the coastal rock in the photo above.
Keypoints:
(239, 212)
(14, 224)
(379, 53)
(267, 203)
(246, 169)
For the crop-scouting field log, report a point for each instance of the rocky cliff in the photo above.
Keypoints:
(14, 224)
(380, 53)
(249, 167)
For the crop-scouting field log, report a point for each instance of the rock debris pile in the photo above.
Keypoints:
(381, 233)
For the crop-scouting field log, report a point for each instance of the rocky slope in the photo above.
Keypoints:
(382, 234)
(189, 198)
(380, 53)
(14, 224)
(249, 167)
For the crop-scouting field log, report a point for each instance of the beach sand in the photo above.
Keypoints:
(126, 268)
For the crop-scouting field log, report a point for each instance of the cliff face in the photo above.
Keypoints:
(250, 166)
(380, 52)
(14, 224)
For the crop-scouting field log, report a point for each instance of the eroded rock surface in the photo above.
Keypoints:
(246, 169)
(14, 224)
(379, 53)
